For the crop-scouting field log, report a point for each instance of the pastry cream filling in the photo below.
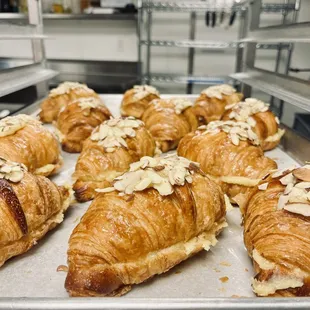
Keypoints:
(275, 283)
(276, 137)
(11, 171)
(112, 133)
(244, 181)
(218, 91)
(236, 131)
(142, 91)
(66, 87)
(45, 169)
(262, 262)
(12, 124)
(160, 173)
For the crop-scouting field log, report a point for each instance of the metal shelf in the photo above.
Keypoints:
(208, 44)
(17, 32)
(115, 16)
(288, 89)
(17, 78)
(179, 79)
(298, 32)
(197, 6)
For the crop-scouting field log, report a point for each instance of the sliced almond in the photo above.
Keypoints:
(298, 208)
(283, 199)
(302, 174)
(263, 186)
(289, 178)
(105, 190)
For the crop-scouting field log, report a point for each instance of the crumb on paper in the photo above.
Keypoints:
(227, 264)
(246, 269)
(178, 272)
(222, 289)
(62, 268)
(216, 270)
(224, 279)
(76, 220)
(235, 296)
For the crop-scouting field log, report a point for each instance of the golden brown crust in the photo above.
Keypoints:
(76, 124)
(280, 237)
(166, 126)
(132, 106)
(41, 203)
(266, 126)
(209, 109)
(219, 157)
(34, 146)
(51, 106)
(140, 237)
(96, 168)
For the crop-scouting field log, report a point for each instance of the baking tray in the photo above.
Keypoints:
(217, 279)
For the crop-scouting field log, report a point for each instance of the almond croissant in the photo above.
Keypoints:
(62, 95)
(210, 105)
(277, 234)
(229, 153)
(169, 120)
(161, 212)
(23, 139)
(77, 120)
(256, 113)
(109, 151)
(30, 206)
(136, 100)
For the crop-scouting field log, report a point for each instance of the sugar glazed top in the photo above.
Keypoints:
(218, 91)
(142, 91)
(111, 134)
(161, 173)
(236, 131)
(66, 87)
(11, 171)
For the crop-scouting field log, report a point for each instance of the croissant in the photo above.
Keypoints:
(277, 234)
(210, 105)
(30, 206)
(112, 147)
(257, 114)
(78, 119)
(169, 120)
(136, 100)
(23, 139)
(229, 152)
(62, 95)
(161, 212)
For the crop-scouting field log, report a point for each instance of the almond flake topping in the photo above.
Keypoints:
(88, 102)
(161, 173)
(112, 133)
(217, 91)
(11, 171)
(142, 91)
(236, 131)
(296, 196)
(66, 87)
(242, 111)
(11, 124)
(180, 104)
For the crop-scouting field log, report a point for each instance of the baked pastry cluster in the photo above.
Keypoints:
(159, 213)
(152, 211)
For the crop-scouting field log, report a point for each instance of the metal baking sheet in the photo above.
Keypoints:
(219, 278)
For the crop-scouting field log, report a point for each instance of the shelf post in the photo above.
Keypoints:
(191, 52)
(249, 51)
(38, 49)
(148, 46)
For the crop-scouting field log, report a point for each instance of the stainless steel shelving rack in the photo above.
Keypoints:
(147, 7)
(17, 78)
(287, 89)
